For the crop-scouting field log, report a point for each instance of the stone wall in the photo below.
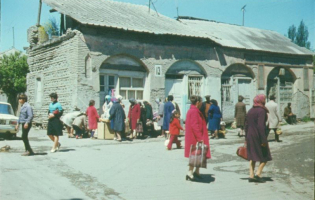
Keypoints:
(54, 62)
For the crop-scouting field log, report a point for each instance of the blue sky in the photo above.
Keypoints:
(276, 15)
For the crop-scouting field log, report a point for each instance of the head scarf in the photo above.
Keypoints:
(157, 100)
(119, 98)
(132, 100)
(259, 101)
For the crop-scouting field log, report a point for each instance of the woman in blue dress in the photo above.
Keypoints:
(54, 127)
(214, 118)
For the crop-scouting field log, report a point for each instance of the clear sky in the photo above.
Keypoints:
(276, 15)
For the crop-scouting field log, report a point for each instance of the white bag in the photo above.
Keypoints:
(156, 126)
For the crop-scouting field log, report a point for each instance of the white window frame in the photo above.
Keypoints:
(131, 88)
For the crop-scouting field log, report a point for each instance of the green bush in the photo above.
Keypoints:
(306, 119)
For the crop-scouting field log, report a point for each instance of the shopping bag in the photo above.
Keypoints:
(198, 155)
(156, 126)
(278, 131)
(127, 127)
(242, 151)
(139, 127)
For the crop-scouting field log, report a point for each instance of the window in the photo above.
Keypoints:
(131, 87)
(306, 79)
(107, 84)
(88, 67)
(226, 91)
(194, 86)
(38, 90)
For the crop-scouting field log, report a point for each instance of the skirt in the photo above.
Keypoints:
(54, 127)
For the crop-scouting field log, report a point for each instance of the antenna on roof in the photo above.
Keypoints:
(154, 8)
(177, 11)
(149, 5)
(243, 9)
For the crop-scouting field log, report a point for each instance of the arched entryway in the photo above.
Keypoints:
(236, 80)
(124, 75)
(280, 83)
(183, 79)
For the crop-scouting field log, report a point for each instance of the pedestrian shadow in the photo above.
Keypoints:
(272, 140)
(264, 178)
(73, 199)
(39, 154)
(205, 178)
(66, 150)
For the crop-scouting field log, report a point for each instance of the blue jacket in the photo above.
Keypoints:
(26, 114)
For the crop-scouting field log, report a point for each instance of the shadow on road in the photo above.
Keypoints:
(206, 178)
(66, 150)
(40, 154)
(264, 178)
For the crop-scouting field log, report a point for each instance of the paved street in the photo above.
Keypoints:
(144, 169)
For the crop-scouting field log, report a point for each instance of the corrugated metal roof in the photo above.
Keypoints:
(137, 18)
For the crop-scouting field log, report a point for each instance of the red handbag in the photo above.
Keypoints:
(242, 151)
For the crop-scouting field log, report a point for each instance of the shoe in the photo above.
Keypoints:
(160, 136)
(168, 149)
(115, 138)
(179, 147)
(212, 137)
(279, 140)
(53, 150)
(189, 178)
(58, 147)
(259, 179)
(197, 175)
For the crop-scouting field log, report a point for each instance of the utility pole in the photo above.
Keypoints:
(243, 9)
(13, 37)
(177, 11)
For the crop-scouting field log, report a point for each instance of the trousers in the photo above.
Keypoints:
(25, 137)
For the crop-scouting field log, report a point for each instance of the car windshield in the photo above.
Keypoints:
(6, 109)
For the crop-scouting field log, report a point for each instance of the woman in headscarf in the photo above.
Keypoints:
(117, 115)
(196, 131)
(256, 138)
(133, 116)
(107, 106)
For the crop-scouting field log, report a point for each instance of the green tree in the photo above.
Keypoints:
(299, 36)
(292, 33)
(13, 70)
(51, 27)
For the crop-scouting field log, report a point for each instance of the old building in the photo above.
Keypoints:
(111, 47)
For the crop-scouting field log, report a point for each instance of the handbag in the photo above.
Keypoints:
(242, 151)
(198, 155)
(139, 128)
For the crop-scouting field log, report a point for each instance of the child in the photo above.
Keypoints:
(175, 127)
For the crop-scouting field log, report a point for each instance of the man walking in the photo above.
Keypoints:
(26, 116)
(273, 117)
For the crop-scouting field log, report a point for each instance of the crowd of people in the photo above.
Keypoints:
(202, 118)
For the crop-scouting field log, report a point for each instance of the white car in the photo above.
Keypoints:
(7, 120)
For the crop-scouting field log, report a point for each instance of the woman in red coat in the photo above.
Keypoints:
(133, 116)
(196, 131)
(93, 117)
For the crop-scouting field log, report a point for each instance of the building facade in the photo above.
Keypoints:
(92, 60)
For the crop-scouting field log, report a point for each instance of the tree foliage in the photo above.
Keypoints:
(51, 27)
(299, 36)
(13, 70)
